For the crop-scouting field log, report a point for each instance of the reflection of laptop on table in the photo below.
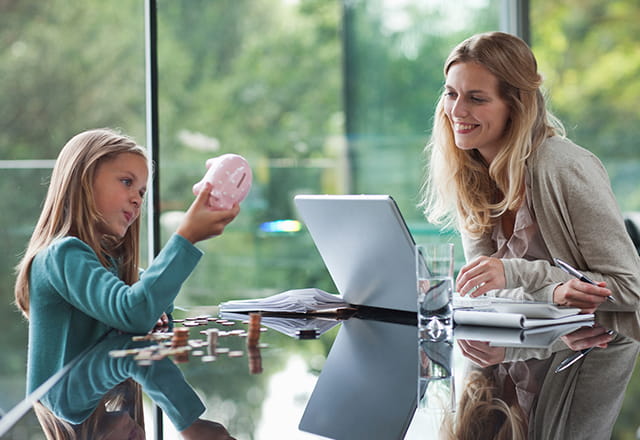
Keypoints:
(365, 245)
(368, 385)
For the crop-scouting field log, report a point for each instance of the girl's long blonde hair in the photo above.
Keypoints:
(69, 208)
(461, 189)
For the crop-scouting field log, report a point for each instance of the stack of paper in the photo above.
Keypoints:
(296, 327)
(538, 337)
(300, 301)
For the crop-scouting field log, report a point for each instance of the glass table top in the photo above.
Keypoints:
(368, 377)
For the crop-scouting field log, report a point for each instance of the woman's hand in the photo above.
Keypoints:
(481, 353)
(480, 276)
(201, 222)
(587, 337)
(585, 296)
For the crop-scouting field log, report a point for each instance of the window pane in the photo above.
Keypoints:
(263, 80)
(588, 53)
(394, 64)
(66, 66)
(267, 81)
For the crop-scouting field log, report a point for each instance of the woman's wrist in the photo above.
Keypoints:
(557, 295)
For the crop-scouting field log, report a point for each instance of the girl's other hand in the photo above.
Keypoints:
(585, 296)
(480, 276)
(201, 223)
(162, 325)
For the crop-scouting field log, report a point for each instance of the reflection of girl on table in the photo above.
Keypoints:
(79, 276)
(521, 193)
(96, 396)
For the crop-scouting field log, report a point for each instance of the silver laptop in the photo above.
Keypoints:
(365, 245)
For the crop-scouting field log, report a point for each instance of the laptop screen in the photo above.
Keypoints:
(365, 245)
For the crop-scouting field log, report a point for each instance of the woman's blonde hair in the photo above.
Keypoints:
(482, 414)
(460, 186)
(69, 208)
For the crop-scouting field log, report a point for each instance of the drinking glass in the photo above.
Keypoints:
(435, 378)
(434, 275)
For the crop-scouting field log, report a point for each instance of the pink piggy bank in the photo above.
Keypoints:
(230, 177)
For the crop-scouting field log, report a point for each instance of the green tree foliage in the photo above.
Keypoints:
(65, 66)
(261, 78)
(394, 58)
(589, 54)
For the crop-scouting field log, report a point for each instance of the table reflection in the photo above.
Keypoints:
(101, 393)
(367, 388)
(559, 390)
(379, 380)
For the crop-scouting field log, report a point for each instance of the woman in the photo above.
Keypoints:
(521, 193)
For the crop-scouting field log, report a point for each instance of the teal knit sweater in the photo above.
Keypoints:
(78, 393)
(74, 300)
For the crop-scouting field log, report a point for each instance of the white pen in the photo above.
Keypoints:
(579, 275)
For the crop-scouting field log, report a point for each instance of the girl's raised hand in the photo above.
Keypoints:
(201, 222)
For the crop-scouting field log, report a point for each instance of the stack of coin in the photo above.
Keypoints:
(212, 340)
(180, 339)
(253, 333)
(255, 360)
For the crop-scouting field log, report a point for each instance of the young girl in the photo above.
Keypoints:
(79, 276)
(522, 193)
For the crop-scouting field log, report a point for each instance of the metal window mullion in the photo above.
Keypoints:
(153, 147)
(514, 18)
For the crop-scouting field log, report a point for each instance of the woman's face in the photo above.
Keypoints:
(476, 112)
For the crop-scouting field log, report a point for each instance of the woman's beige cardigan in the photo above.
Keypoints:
(580, 222)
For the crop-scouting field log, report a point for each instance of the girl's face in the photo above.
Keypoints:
(476, 112)
(119, 186)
